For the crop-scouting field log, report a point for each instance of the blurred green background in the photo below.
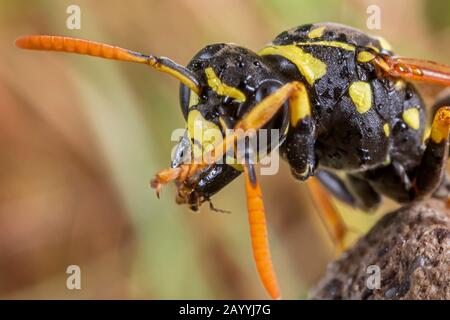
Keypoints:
(81, 137)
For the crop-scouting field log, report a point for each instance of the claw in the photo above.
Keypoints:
(164, 177)
(155, 184)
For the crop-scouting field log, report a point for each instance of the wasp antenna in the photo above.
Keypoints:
(96, 49)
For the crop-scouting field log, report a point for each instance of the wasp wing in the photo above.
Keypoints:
(414, 69)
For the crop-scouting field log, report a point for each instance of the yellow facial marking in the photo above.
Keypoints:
(386, 129)
(311, 68)
(365, 56)
(412, 118)
(336, 44)
(204, 132)
(300, 106)
(221, 88)
(316, 32)
(361, 95)
(193, 99)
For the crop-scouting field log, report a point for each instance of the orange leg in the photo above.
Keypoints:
(180, 174)
(328, 213)
(258, 233)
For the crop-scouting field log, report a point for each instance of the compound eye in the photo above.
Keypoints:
(281, 120)
(266, 88)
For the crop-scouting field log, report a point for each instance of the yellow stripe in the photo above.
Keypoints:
(336, 44)
(310, 67)
(221, 88)
(386, 129)
(300, 106)
(316, 33)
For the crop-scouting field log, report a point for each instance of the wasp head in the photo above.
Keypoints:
(232, 81)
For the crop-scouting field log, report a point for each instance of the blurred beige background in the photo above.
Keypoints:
(81, 137)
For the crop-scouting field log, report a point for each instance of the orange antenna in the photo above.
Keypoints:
(258, 233)
(96, 49)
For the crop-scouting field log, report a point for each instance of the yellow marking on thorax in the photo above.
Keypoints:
(399, 84)
(365, 56)
(384, 43)
(335, 44)
(374, 48)
(386, 129)
(361, 95)
(316, 32)
(310, 67)
(300, 106)
(411, 117)
(221, 88)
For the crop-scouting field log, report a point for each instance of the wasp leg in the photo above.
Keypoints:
(392, 180)
(366, 197)
(260, 114)
(443, 191)
(298, 148)
(353, 191)
(328, 213)
(336, 186)
(264, 111)
(432, 167)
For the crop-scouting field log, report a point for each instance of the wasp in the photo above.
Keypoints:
(345, 104)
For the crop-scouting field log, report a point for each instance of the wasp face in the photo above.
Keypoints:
(233, 80)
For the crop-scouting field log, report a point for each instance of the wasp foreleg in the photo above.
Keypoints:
(432, 167)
